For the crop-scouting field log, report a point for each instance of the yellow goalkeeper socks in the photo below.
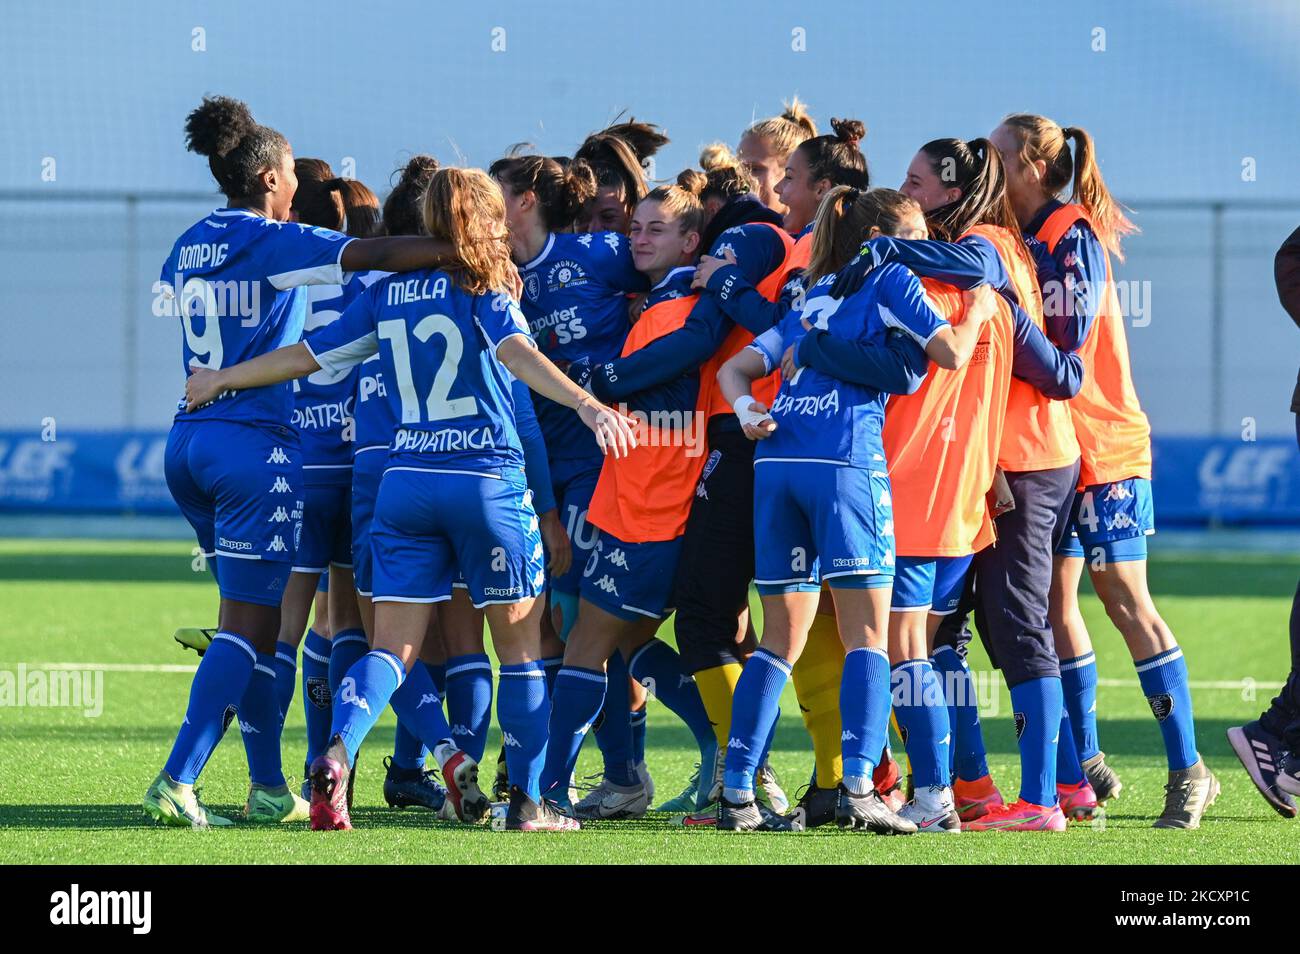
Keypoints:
(717, 685)
(817, 677)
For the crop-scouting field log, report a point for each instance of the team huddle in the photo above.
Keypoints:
(559, 398)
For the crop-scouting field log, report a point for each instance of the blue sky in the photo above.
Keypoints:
(1182, 93)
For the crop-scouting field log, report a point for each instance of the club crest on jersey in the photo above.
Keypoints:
(1020, 724)
(1162, 703)
(565, 273)
(532, 286)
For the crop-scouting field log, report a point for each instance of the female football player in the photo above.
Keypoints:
(822, 501)
(234, 466)
(639, 506)
(453, 494)
(716, 563)
(574, 297)
(618, 156)
(942, 444)
(1112, 513)
(766, 145)
(815, 167)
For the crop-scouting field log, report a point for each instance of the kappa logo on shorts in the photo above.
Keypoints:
(278, 456)
(1118, 492)
(281, 486)
(1121, 521)
(318, 692)
(277, 545)
(427, 698)
(618, 558)
(607, 584)
(1020, 724)
(348, 695)
(280, 516)
(1162, 704)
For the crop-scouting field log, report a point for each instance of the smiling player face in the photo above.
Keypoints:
(799, 192)
(607, 212)
(658, 243)
(926, 186)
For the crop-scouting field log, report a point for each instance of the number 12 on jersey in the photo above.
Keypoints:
(437, 406)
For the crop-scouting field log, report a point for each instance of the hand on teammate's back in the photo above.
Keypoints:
(201, 387)
(980, 303)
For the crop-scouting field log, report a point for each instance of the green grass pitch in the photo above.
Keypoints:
(71, 785)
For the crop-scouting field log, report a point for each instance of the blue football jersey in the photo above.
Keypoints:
(448, 393)
(234, 279)
(575, 300)
(820, 418)
(375, 421)
(324, 402)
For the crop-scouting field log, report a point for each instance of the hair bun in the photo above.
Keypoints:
(796, 111)
(718, 155)
(217, 126)
(693, 181)
(849, 131)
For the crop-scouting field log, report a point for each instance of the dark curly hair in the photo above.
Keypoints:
(237, 148)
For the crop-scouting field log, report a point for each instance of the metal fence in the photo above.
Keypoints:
(1212, 350)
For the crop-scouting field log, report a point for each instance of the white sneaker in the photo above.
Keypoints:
(608, 800)
(932, 811)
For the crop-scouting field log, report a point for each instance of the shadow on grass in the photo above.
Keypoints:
(109, 567)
